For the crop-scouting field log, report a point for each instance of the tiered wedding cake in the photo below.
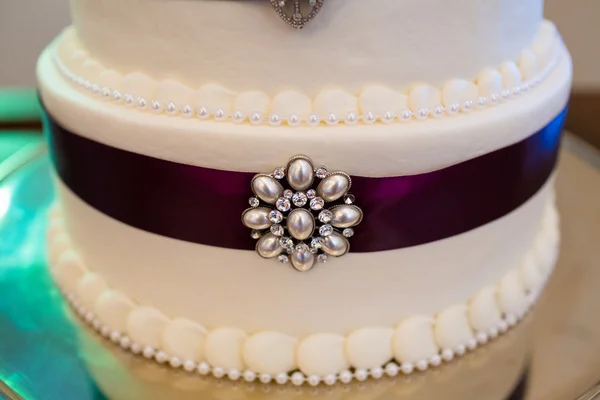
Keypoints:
(430, 231)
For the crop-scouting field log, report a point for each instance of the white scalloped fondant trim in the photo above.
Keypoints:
(330, 107)
(416, 343)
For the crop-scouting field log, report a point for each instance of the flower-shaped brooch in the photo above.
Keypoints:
(301, 214)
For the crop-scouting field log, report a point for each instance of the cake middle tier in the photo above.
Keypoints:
(243, 45)
(221, 287)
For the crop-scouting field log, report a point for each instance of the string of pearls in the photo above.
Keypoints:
(205, 113)
(297, 378)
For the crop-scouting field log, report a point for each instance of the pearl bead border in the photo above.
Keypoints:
(173, 109)
(298, 378)
(294, 120)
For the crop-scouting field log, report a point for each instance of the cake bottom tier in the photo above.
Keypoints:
(416, 342)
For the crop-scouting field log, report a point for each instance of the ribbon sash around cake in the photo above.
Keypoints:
(204, 205)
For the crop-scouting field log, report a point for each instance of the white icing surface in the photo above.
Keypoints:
(459, 91)
(379, 99)
(322, 354)
(528, 64)
(288, 100)
(424, 97)
(89, 288)
(145, 325)
(270, 352)
(489, 82)
(251, 102)
(169, 89)
(223, 348)
(484, 312)
(511, 295)
(331, 106)
(62, 243)
(217, 96)
(367, 150)
(243, 45)
(370, 347)
(417, 342)
(69, 270)
(546, 257)
(113, 309)
(452, 327)
(484, 255)
(511, 76)
(413, 340)
(335, 101)
(140, 84)
(184, 338)
(531, 273)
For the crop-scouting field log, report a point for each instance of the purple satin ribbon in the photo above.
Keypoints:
(204, 205)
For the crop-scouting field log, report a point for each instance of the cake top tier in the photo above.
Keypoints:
(243, 44)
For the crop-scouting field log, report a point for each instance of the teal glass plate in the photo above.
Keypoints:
(36, 335)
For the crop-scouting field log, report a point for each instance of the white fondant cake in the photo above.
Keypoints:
(378, 89)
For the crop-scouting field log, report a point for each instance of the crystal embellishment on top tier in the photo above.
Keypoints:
(302, 215)
(294, 13)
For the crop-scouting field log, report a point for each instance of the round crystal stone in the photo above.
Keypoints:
(254, 202)
(279, 173)
(348, 232)
(283, 204)
(300, 199)
(311, 194)
(317, 203)
(255, 235)
(325, 216)
(277, 230)
(283, 259)
(286, 243)
(297, 17)
(349, 199)
(316, 243)
(302, 248)
(326, 230)
(322, 258)
(275, 217)
(287, 193)
(321, 172)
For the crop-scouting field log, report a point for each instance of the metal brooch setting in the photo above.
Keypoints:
(301, 214)
(295, 13)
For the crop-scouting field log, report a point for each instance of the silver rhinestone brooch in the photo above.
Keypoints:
(301, 214)
(297, 13)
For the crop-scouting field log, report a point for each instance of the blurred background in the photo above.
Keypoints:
(26, 27)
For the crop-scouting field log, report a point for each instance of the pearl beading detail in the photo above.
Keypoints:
(329, 118)
(297, 378)
(532, 274)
